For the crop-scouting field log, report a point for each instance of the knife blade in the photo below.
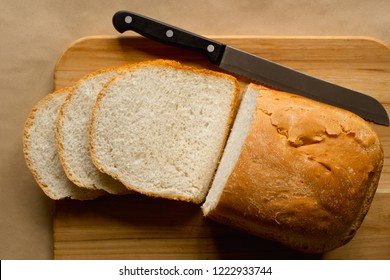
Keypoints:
(254, 67)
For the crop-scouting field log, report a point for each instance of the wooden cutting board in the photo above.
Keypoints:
(138, 227)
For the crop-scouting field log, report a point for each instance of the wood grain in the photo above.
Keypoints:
(138, 227)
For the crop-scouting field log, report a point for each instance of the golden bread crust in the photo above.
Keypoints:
(306, 175)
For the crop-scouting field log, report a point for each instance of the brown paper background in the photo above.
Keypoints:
(35, 33)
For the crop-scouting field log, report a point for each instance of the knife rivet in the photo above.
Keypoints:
(169, 33)
(210, 48)
(128, 19)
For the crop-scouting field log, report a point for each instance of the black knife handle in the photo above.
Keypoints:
(165, 33)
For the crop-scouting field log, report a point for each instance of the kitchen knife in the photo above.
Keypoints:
(254, 67)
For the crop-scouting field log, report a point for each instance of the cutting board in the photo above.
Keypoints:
(139, 227)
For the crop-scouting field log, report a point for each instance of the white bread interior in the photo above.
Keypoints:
(161, 127)
(72, 133)
(305, 175)
(40, 150)
(240, 129)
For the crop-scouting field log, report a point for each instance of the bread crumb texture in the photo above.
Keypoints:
(40, 150)
(311, 171)
(72, 133)
(161, 127)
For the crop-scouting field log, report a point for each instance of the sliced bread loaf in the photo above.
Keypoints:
(160, 128)
(72, 133)
(40, 150)
(296, 171)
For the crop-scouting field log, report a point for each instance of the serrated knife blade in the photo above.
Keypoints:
(254, 67)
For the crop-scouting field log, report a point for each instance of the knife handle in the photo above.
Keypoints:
(165, 33)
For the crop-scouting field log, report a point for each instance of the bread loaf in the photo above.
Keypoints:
(72, 133)
(296, 171)
(40, 150)
(160, 128)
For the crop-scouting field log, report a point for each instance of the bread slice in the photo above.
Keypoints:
(72, 133)
(160, 128)
(40, 150)
(296, 171)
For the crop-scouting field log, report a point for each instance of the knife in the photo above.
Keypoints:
(254, 67)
